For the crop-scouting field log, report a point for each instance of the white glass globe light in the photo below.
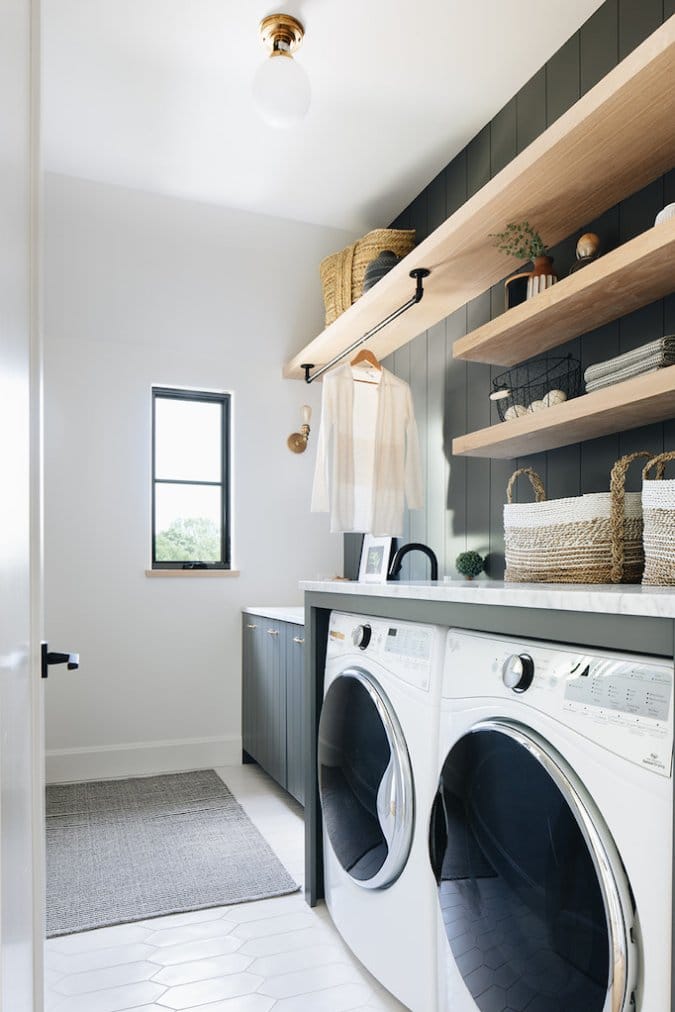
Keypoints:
(281, 90)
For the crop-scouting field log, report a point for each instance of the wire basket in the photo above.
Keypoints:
(536, 385)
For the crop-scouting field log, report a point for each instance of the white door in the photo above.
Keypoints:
(21, 739)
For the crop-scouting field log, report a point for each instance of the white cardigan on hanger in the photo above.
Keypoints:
(396, 471)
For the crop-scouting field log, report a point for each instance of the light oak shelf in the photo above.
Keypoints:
(618, 283)
(635, 402)
(613, 141)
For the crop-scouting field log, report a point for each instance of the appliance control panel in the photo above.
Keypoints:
(622, 702)
(407, 650)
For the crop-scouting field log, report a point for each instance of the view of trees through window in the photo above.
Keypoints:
(190, 472)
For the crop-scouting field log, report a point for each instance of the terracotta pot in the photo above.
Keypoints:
(542, 265)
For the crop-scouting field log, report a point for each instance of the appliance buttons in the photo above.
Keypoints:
(518, 672)
(361, 636)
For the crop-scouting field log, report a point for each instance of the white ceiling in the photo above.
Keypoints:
(155, 95)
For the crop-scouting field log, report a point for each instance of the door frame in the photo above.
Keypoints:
(36, 501)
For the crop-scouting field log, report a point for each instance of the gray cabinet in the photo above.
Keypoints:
(272, 701)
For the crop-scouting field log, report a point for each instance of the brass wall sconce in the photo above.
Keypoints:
(297, 441)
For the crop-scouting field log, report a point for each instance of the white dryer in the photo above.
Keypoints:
(551, 830)
(377, 751)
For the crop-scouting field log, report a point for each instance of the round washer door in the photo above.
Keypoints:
(365, 780)
(534, 898)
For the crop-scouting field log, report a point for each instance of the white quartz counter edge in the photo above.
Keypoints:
(294, 615)
(658, 602)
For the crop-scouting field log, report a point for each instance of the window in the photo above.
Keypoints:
(190, 480)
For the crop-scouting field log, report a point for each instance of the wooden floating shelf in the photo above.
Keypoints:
(635, 402)
(618, 283)
(617, 138)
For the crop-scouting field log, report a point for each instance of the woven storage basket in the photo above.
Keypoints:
(602, 544)
(342, 273)
(658, 505)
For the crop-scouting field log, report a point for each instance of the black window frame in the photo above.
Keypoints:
(209, 397)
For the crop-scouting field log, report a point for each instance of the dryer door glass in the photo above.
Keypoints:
(365, 780)
(529, 913)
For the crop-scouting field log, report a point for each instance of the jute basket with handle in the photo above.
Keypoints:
(342, 273)
(593, 538)
(658, 506)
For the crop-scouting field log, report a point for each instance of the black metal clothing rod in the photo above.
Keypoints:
(419, 273)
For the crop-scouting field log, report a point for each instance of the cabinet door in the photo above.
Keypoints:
(252, 663)
(295, 711)
(272, 701)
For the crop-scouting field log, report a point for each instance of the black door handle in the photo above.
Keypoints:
(51, 657)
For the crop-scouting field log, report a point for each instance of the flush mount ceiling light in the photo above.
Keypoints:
(280, 86)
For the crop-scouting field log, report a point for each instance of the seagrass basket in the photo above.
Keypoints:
(658, 506)
(593, 538)
(342, 273)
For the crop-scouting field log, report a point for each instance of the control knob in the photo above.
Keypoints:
(361, 636)
(518, 672)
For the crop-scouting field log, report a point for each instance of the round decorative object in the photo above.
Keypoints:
(666, 214)
(588, 246)
(378, 267)
(515, 411)
(537, 406)
(554, 397)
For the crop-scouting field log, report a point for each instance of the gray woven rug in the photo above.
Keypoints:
(124, 850)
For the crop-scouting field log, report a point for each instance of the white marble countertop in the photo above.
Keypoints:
(624, 599)
(296, 615)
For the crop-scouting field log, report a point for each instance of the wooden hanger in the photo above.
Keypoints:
(366, 357)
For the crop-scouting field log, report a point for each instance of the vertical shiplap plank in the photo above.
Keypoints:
(503, 148)
(478, 417)
(455, 395)
(402, 369)
(418, 564)
(437, 465)
(436, 462)
(562, 79)
(637, 20)
(531, 110)
(561, 467)
(599, 44)
(478, 162)
(455, 424)
(478, 374)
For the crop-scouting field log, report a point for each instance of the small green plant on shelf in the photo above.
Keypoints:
(520, 240)
(470, 564)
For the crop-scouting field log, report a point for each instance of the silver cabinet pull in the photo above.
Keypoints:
(250, 625)
(298, 639)
(273, 632)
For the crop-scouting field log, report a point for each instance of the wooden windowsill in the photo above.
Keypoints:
(192, 572)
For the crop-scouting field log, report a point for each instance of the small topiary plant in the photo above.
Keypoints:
(520, 240)
(470, 564)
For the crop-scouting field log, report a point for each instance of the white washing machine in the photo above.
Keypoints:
(377, 753)
(551, 830)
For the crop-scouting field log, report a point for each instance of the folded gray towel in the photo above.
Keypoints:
(621, 375)
(649, 356)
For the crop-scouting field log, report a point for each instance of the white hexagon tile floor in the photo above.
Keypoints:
(274, 955)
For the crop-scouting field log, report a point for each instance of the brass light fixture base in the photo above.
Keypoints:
(297, 441)
(281, 33)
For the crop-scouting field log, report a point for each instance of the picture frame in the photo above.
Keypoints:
(375, 558)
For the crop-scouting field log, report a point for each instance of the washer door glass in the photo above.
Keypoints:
(532, 892)
(365, 780)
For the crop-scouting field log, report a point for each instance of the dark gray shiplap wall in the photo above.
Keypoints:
(464, 497)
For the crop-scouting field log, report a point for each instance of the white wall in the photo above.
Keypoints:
(143, 290)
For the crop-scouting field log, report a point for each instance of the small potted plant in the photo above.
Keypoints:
(470, 564)
(521, 240)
